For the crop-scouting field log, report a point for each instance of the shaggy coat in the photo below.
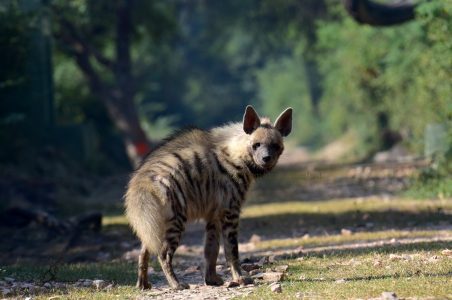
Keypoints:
(198, 174)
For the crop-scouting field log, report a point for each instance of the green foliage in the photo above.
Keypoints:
(403, 71)
(13, 27)
(200, 63)
(282, 83)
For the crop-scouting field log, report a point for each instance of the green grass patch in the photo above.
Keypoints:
(338, 206)
(122, 274)
(339, 239)
(429, 189)
(420, 271)
(119, 272)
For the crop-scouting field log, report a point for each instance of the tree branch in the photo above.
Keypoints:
(378, 14)
(123, 57)
(79, 41)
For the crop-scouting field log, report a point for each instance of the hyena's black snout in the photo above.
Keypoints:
(266, 159)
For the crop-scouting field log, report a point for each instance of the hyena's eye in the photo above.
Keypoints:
(275, 147)
(256, 145)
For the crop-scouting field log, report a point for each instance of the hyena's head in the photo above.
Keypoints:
(265, 142)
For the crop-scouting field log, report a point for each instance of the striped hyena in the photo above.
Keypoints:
(198, 174)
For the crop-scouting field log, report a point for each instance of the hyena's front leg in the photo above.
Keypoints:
(211, 248)
(143, 261)
(231, 247)
(165, 256)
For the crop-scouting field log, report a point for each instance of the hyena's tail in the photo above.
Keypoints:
(147, 215)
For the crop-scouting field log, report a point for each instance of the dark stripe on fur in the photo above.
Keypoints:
(198, 163)
(266, 125)
(186, 168)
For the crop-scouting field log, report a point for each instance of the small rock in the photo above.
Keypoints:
(378, 263)
(262, 261)
(109, 287)
(276, 288)
(254, 272)
(259, 275)
(99, 284)
(273, 276)
(395, 257)
(393, 241)
(255, 239)
(190, 270)
(369, 225)
(446, 252)
(47, 285)
(231, 284)
(306, 236)
(151, 271)
(433, 259)
(125, 245)
(28, 286)
(302, 277)
(272, 258)
(184, 248)
(340, 281)
(87, 283)
(6, 292)
(281, 268)
(346, 232)
(389, 296)
(9, 279)
(354, 262)
(103, 256)
(407, 257)
(132, 254)
(54, 298)
(299, 295)
(249, 267)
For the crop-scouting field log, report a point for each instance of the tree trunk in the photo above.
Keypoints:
(124, 115)
(378, 14)
(118, 98)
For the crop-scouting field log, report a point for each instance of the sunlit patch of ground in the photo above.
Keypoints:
(344, 231)
(418, 271)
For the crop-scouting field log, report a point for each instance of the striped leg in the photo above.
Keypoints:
(211, 248)
(231, 248)
(143, 261)
(165, 257)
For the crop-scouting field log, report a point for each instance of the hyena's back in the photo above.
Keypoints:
(175, 182)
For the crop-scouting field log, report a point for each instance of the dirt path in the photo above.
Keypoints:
(290, 184)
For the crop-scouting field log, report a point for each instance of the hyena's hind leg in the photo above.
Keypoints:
(211, 248)
(231, 247)
(143, 261)
(169, 246)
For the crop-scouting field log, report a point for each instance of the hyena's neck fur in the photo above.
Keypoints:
(236, 143)
(231, 142)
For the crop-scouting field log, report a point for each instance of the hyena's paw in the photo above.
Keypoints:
(214, 279)
(180, 286)
(143, 284)
(244, 280)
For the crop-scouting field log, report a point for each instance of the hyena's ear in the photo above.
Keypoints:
(284, 122)
(251, 120)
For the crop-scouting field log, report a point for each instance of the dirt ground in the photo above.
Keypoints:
(294, 181)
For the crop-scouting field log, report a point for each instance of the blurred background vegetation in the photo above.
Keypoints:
(90, 77)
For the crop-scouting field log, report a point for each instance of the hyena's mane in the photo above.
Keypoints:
(176, 134)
